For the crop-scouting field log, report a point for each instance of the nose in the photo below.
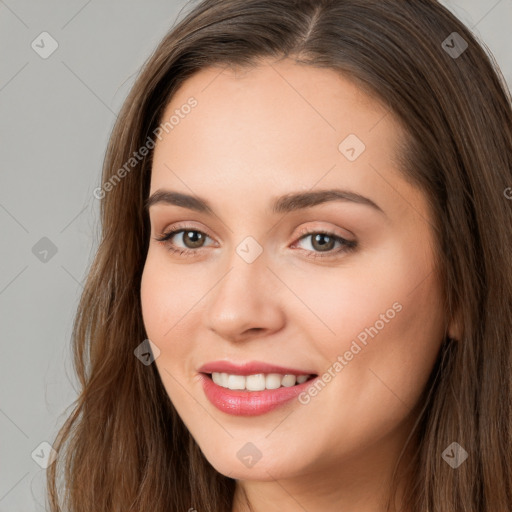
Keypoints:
(247, 302)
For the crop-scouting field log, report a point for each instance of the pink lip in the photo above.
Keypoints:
(250, 403)
(250, 368)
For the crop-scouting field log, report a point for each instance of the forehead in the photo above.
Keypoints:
(277, 124)
(281, 98)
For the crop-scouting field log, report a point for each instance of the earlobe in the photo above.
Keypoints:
(454, 330)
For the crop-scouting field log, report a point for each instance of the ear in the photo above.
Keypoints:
(454, 330)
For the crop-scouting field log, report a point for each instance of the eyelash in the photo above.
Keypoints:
(346, 245)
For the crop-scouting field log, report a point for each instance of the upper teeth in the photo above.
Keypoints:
(257, 382)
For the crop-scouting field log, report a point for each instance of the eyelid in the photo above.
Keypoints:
(189, 225)
(185, 226)
(328, 231)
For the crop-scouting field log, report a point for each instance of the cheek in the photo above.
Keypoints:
(412, 340)
(384, 316)
(167, 297)
(387, 332)
(173, 300)
(153, 299)
(366, 289)
(164, 309)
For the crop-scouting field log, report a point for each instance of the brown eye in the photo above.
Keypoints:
(193, 239)
(322, 242)
(323, 245)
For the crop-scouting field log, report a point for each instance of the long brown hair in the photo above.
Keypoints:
(124, 447)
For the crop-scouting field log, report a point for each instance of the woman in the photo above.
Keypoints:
(302, 295)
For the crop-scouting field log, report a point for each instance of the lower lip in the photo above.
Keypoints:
(249, 403)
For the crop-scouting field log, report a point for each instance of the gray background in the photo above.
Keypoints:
(55, 118)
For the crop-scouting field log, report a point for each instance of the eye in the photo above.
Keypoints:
(322, 242)
(191, 237)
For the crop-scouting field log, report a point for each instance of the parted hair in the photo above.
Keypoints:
(123, 447)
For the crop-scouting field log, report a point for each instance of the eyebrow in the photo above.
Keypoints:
(283, 204)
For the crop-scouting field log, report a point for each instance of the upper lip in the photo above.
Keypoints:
(250, 368)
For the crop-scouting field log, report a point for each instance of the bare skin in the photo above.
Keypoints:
(256, 135)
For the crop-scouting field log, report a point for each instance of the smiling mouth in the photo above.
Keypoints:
(257, 382)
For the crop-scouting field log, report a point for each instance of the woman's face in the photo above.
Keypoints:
(264, 278)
